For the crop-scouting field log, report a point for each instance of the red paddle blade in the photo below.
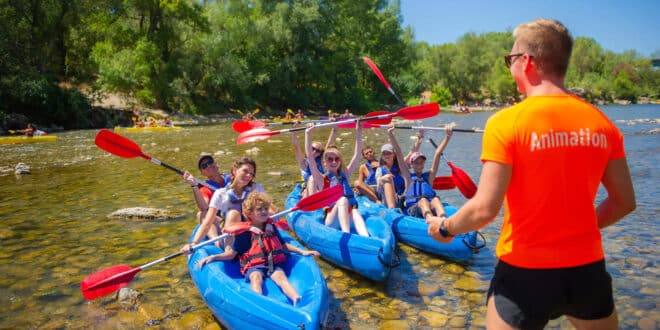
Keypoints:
(246, 125)
(282, 224)
(463, 182)
(254, 135)
(419, 111)
(118, 145)
(443, 183)
(371, 122)
(376, 70)
(321, 199)
(107, 281)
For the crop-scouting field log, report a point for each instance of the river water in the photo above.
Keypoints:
(56, 230)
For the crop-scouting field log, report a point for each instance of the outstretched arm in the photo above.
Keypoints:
(358, 149)
(417, 145)
(439, 150)
(317, 177)
(300, 158)
(331, 138)
(403, 166)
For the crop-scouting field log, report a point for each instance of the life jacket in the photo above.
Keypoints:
(399, 183)
(371, 179)
(307, 172)
(266, 249)
(420, 188)
(331, 180)
(236, 203)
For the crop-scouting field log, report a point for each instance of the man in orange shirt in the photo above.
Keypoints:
(545, 158)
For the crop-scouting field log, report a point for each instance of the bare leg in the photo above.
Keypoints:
(436, 204)
(388, 191)
(232, 218)
(330, 217)
(608, 323)
(342, 213)
(365, 190)
(360, 225)
(256, 280)
(425, 207)
(282, 281)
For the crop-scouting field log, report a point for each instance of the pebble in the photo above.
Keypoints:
(646, 324)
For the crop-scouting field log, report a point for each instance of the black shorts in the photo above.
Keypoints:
(528, 298)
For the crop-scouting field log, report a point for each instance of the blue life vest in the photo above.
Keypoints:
(237, 202)
(399, 183)
(216, 185)
(307, 172)
(331, 180)
(371, 179)
(420, 188)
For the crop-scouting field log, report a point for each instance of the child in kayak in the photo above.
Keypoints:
(317, 152)
(366, 182)
(421, 200)
(336, 173)
(392, 178)
(259, 247)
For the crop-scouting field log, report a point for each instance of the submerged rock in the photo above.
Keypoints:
(143, 213)
(22, 168)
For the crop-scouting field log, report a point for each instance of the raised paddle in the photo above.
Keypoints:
(441, 128)
(443, 183)
(375, 69)
(113, 278)
(463, 182)
(125, 148)
(246, 125)
(411, 113)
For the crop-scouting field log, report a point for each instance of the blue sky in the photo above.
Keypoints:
(617, 25)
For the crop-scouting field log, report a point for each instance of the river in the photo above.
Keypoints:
(56, 230)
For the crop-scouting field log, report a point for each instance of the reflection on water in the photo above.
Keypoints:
(55, 231)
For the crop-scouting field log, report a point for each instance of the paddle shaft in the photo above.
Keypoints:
(435, 128)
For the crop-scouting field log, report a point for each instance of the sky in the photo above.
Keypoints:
(616, 25)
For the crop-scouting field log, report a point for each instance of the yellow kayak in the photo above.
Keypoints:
(27, 139)
(119, 129)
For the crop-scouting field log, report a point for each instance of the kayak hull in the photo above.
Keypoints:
(372, 257)
(413, 231)
(27, 139)
(237, 306)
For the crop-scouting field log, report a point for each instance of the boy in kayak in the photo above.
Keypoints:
(259, 247)
(421, 200)
(545, 159)
(366, 182)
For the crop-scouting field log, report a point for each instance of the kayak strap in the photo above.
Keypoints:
(475, 248)
(395, 261)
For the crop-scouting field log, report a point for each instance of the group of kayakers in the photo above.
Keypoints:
(550, 255)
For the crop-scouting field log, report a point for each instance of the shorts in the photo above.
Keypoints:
(262, 269)
(414, 211)
(528, 298)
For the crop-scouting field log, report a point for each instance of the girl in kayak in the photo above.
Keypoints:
(421, 200)
(366, 182)
(391, 178)
(337, 173)
(229, 200)
(259, 247)
(317, 152)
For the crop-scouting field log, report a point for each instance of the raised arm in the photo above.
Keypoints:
(300, 158)
(331, 138)
(317, 177)
(403, 166)
(358, 149)
(417, 145)
(439, 150)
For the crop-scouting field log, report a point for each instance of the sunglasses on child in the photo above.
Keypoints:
(204, 165)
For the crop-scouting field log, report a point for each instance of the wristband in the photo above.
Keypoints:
(443, 230)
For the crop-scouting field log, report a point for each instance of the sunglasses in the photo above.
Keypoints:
(204, 165)
(332, 159)
(317, 150)
(508, 59)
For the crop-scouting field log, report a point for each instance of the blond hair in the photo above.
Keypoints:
(254, 200)
(548, 42)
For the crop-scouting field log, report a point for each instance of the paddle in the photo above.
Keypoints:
(125, 148)
(462, 180)
(443, 183)
(375, 69)
(411, 113)
(442, 128)
(113, 278)
(243, 126)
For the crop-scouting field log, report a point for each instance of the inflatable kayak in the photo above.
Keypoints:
(373, 257)
(235, 305)
(414, 232)
(27, 139)
(119, 129)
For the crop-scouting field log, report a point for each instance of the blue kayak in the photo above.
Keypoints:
(373, 256)
(413, 231)
(236, 306)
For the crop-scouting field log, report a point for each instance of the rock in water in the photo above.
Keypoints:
(21, 168)
(142, 213)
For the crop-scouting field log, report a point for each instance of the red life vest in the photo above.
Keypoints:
(266, 248)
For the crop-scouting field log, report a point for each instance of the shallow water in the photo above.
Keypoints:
(56, 231)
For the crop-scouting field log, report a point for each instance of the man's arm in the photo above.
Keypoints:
(620, 193)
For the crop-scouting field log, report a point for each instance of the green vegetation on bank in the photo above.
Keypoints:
(208, 57)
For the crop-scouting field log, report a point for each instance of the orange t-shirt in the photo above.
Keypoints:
(558, 147)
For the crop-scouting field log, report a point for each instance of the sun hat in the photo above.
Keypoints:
(415, 155)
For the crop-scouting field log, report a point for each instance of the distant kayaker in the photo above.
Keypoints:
(299, 115)
(288, 115)
(208, 168)
(28, 131)
(260, 248)
(366, 182)
(421, 200)
(391, 177)
(229, 199)
(317, 149)
(336, 173)
(545, 158)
